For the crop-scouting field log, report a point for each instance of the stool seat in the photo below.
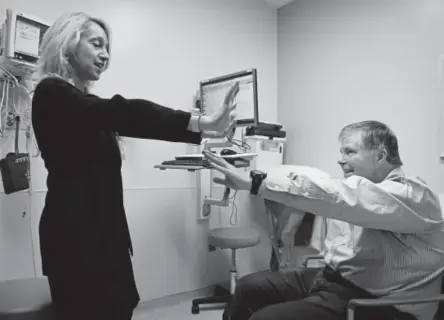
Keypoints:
(25, 299)
(233, 237)
(227, 238)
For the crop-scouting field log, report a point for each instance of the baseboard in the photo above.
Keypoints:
(174, 299)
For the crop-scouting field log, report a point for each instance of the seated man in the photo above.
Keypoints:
(384, 234)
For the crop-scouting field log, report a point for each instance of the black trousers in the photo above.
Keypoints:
(93, 295)
(305, 294)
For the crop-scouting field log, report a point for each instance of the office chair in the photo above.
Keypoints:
(227, 238)
(25, 299)
(384, 302)
(300, 229)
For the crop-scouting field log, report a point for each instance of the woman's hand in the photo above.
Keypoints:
(222, 122)
(233, 178)
(228, 133)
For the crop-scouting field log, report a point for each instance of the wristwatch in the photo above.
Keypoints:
(256, 180)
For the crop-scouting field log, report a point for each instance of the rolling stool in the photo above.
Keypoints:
(227, 238)
(25, 299)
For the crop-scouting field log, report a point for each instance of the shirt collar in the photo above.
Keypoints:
(395, 173)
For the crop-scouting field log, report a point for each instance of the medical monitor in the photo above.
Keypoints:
(213, 92)
(21, 36)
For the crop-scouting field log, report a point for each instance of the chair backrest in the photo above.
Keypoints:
(305, 230)
(442, 285)
(440, 313)
(289, 225)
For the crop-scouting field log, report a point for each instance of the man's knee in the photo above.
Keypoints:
(261, 314)
(299, 310)
(272, 312)
(247, 284)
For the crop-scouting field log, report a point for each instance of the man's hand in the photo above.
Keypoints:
(233, 179)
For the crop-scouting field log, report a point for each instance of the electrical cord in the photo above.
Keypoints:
(13, 93)
(233, 210)
(241, 144)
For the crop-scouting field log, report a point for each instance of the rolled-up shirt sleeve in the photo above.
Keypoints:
(398, 204)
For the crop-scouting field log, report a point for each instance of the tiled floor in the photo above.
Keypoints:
(179, 311)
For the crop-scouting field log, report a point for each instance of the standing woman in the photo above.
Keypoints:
(85, 242)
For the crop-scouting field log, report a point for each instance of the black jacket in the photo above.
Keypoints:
(83, 224)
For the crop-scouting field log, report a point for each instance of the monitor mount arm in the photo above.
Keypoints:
(208, 201)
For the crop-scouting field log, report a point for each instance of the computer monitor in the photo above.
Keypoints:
(21, 36)
(213, 92)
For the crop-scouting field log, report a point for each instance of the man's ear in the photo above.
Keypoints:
(382, 155)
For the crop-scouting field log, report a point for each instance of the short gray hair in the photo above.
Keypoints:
(376, 135)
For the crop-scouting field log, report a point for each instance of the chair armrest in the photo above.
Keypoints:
(311, 257)
(383, 302)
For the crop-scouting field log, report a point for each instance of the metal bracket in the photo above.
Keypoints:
(205, 183)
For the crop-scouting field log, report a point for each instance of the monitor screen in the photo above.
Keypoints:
(28, 36)
(213, 92)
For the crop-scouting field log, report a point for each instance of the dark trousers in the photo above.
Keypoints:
(110, 295)
(305, 294)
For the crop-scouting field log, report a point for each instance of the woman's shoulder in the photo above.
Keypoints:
(53, 81)
(51, 91)
(52, 88)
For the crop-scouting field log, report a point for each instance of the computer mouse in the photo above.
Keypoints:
(227, 152)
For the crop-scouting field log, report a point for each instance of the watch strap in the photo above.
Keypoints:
(256, 181)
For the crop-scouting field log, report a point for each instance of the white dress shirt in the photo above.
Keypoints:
(386, 238)
(193, 124)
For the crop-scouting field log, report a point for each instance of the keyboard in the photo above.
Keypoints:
(246, 156)
(187, 162)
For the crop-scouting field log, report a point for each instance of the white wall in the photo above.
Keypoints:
(161, 50)
(346, 61)
(338, 62)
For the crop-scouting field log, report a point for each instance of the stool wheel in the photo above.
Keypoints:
(194, 309)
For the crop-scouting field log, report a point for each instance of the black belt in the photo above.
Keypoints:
(334, 276)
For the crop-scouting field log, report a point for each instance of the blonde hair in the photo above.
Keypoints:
(59, 44)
